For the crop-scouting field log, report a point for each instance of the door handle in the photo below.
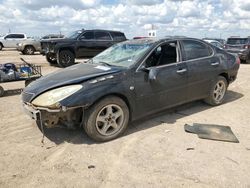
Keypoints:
(215, 63)
(181, 71)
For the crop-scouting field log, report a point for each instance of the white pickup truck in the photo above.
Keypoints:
(11, 40)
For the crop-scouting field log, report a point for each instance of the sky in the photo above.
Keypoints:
(193, 18)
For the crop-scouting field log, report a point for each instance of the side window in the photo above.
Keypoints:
(164, 54)
(87, 36)
(18, 36)
(10, 36)
(195, 49)
(102, 36)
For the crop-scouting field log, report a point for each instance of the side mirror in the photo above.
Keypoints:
(144, 69)
(153, 72)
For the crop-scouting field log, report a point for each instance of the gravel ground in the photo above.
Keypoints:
(154, 152)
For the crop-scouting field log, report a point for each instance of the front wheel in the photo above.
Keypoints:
(217, 92)
(65, 58)
(1, 46)
(107, 119)
(51, 58)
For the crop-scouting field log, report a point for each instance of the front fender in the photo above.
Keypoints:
(87, 97)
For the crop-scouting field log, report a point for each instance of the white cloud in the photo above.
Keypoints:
(196, 18)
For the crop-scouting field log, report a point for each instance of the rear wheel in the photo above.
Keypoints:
(107, 119)
(66, 58)
(1, 91)
(51, 58)
(29, 50)
(1, 46)
(217, 92)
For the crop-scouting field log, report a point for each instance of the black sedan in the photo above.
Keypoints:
(128, 81)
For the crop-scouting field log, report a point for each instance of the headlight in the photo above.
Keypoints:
(52, 98)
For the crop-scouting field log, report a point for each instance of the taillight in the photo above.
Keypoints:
(247, 46)
(237, 60)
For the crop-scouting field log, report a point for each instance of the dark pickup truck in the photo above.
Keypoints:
(79, 44)
(240, 46)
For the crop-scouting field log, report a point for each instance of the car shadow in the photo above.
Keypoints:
(170, 116)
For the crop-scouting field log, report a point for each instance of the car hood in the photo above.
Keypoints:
(71, 75)
(58, 40)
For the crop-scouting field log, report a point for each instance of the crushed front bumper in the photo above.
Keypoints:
(34, 112)
(31, 112)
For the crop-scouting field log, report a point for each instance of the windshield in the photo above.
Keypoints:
(73, 35)
(123, 54)
(237, 41)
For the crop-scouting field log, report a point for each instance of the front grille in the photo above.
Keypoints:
(26, 97)
(47, 46)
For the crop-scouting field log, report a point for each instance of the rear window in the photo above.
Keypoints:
(237, 40)
(195, 50)
(118, 36)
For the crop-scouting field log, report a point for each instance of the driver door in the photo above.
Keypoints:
(9, 41)
(161, 81)
(86, 45)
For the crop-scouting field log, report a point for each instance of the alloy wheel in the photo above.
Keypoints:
(109, 119)
(219, 91)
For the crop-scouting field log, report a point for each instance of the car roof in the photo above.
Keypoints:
(101, 30)
(211, 41)
(15, 34)
(158, 40)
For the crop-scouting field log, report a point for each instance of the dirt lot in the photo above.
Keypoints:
(153, 152)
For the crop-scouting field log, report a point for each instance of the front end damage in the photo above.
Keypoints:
(50, 118)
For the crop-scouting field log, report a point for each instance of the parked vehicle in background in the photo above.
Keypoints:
(215, 43)
(30, 46)
(128, 81)
(222, 41)
(79, 44)
(240, 46)
(11, 40)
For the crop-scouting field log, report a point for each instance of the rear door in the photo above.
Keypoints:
(203, 67)
(85, 45)
(9, 41)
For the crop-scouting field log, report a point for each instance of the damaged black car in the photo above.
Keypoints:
(128, 81)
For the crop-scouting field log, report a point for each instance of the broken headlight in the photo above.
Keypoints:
(52, 98)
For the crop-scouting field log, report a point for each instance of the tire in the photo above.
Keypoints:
(217, 92)
(107, 119)
(1, 46)
(65, 58)
(29, 50)
(51, 59)
(1, 91)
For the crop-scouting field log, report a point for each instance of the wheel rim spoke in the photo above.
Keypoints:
(101, 119)
(105, 128)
